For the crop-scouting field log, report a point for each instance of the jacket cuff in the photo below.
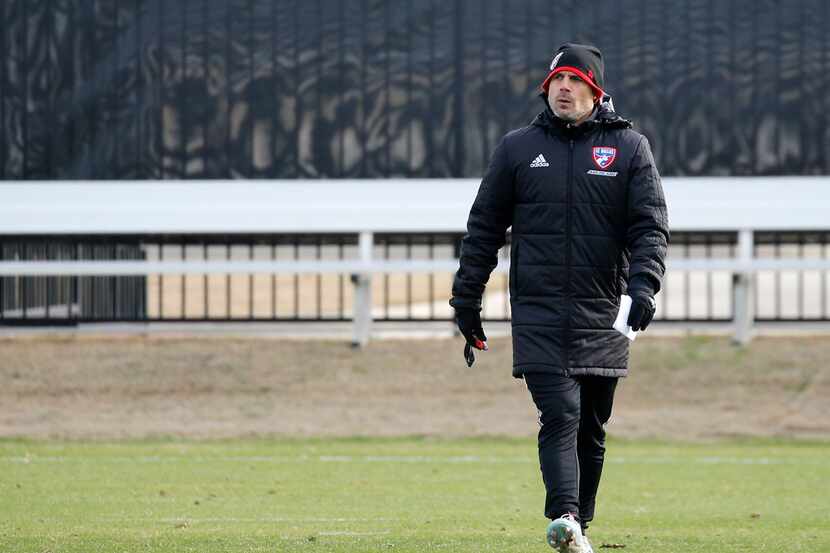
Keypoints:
(641, 283)
(459, 302)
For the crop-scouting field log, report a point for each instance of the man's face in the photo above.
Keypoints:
(570, 97)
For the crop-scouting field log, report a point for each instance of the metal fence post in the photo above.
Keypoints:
(363, 293)
(743, 288)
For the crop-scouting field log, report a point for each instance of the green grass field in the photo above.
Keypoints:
(401, 495)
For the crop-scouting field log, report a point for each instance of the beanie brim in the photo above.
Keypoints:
(590, 82)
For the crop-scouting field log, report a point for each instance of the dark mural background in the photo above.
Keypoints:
(368, 88)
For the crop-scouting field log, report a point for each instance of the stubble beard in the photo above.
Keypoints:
(571, 117)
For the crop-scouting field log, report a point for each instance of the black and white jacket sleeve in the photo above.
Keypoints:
(490, 217)
(647, 234)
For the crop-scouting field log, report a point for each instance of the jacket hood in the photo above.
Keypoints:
(604, 116)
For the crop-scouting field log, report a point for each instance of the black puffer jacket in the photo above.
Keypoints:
(588, 216)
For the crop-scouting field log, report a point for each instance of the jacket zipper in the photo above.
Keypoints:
(568, 238)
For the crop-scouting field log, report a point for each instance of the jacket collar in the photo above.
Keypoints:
(603, 116)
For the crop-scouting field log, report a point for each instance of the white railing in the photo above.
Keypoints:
(365, 207)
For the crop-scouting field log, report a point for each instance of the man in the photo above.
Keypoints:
(583, 196)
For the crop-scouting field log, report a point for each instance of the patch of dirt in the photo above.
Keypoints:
(679, 388)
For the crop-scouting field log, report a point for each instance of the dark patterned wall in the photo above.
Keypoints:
(370, 88)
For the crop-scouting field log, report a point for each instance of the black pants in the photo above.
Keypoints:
(572, 415)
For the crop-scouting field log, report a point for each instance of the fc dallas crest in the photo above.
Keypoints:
(604, 156)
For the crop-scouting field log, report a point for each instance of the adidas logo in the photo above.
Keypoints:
(539, 162)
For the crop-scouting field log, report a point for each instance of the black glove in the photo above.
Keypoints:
(643, 305)
(469, 323)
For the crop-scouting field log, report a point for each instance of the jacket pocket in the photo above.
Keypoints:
(618, 270)
(514, 267)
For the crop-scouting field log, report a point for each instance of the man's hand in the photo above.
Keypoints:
(642, 304)
(469, 323)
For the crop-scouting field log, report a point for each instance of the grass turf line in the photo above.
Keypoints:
(402, 495)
